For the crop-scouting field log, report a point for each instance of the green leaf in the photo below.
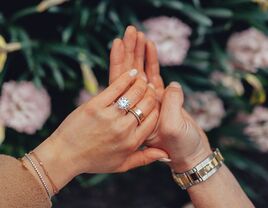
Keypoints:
(85, 14)
(220, 56)
(2, 18)
(253, 14)
(187, 9)
(245, 164)
(116, 20)
(23, 13)
(197, 16)
(57, 75)
(218, 12)
(93, 181)
(234, 2)
(190, 11)
(67, 33)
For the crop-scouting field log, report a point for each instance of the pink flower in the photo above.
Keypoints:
(188, 205)
(257, 127)
(232, 83)
(24, 107)
(249, 50)
(171, 37)
(206, 108)
(85, 96)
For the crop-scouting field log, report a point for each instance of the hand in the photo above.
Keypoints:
(176, 131)
(100, 138)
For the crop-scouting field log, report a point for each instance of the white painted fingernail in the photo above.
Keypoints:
(151, 85)
(133, 72)
(164, 160)
(175, 84)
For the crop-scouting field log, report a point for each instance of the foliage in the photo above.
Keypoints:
(55, 43)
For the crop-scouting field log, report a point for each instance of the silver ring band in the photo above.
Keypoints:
(138, 114)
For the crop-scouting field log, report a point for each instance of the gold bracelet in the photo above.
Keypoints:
(54, 187)
(38, 173)
(200, 172)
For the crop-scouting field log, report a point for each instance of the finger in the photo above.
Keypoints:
(139, 52)
(142, 158)
(117, 60)
(146, 105)
(144, 131)
(152, 67)
(172, 102)
(129, 41)
(134, 94)
(110, 94)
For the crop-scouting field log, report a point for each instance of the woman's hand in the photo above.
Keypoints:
(98, 137)
(176, 132)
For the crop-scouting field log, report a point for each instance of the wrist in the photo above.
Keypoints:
(190, 161)
(58, 165)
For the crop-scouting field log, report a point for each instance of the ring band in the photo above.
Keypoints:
(123, 103)
(138, 114)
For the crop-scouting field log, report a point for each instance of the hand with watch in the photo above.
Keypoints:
(195, 166)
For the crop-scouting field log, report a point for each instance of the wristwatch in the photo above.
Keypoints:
(200, 172)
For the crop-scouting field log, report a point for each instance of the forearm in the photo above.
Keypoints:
(220, 190)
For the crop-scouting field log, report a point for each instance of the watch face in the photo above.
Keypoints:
(194, 176)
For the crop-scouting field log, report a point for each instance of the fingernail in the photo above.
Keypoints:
(175, 84)
(151, 85)
(133, 72)
(164, 160)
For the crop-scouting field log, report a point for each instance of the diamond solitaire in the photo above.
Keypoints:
(123, 103)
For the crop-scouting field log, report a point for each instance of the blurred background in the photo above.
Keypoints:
(54, 55)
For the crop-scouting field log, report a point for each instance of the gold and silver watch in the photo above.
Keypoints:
(200, 172)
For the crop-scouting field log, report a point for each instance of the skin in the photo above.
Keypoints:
(98, 137)
(176, 132)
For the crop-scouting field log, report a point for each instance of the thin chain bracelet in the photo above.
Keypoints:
(54, 187)
(38, 173)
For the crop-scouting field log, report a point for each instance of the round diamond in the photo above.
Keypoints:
(123, 103)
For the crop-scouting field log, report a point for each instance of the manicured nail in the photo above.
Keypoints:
(164, 160)
(152, 86)
(133, 72)
(175, 84)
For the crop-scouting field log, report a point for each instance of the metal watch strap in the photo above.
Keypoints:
(200, 172)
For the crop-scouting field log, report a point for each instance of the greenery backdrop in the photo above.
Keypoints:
(49, 46)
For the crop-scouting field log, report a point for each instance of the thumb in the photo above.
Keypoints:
(142, 158)
(172, 101)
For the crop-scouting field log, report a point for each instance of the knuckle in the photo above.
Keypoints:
(90, 110)
(151, 101)
(168, 131)
(119, 88)
(117, 130)
(155, 115)
(151, 91)
(128, 126)
(139, 90)
(130, 147)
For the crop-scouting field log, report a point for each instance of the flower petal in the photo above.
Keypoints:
(2, 133)
(3, 54)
